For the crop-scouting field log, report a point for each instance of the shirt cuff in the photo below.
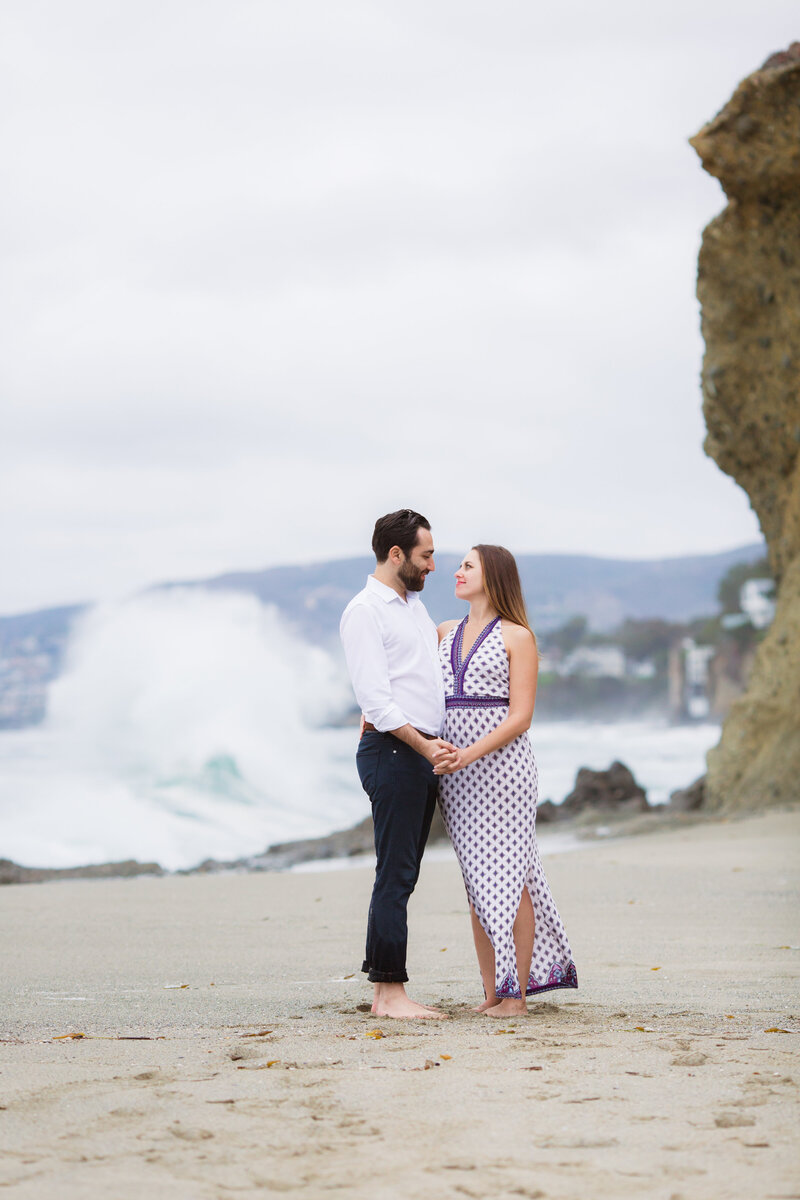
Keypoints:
(386, 719)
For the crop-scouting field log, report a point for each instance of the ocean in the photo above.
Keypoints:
(191, 725)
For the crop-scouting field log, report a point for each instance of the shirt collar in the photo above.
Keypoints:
(387, 593)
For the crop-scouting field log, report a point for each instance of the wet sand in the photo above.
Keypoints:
(225, 1052)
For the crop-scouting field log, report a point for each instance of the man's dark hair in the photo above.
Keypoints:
(397, 529)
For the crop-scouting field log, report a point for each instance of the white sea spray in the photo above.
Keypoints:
(185, 725)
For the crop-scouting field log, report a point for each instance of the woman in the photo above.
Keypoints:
(488, 786)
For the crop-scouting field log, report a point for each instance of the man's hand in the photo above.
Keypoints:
(437, 750)
(449, 760)
(429, 748)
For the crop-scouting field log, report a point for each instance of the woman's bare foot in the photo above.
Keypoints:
(509, 1007)
(492, 1002)
(391, 1001)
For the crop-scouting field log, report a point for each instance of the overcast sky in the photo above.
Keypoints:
(273, 269)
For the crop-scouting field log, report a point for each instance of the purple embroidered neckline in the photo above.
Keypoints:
(459, 667)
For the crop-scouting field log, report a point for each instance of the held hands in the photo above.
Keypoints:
(434, 751)
(446, 758)
(434, 748)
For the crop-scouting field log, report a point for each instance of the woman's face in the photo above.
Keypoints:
(469, 577)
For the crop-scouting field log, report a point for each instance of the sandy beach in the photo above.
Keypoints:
(225, 1050)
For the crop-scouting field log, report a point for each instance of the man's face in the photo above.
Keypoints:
(417, 565)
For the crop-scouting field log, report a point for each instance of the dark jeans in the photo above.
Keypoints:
(402, 789)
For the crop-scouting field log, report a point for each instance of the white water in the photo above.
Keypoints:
(662, 757)
(187, 726)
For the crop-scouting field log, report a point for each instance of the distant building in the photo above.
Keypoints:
(595, 661)
(689, 666)
(756, 604)
(755, 600)
(696, 666)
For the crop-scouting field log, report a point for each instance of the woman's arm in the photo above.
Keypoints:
(523, 670)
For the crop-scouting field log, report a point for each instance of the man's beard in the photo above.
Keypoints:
(411, 577)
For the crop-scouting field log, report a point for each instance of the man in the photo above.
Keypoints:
(391, 647)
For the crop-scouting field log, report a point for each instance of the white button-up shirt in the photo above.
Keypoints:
(391, 648)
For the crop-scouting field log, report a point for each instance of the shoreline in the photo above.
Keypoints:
(112, 825)
(601, 803)
(343, 847)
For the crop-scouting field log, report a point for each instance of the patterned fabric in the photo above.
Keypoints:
(489, 809)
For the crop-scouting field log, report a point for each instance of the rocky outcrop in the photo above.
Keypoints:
(749, 291)
(689, 799)
(11, 872)
(614, 791)
(345, 843)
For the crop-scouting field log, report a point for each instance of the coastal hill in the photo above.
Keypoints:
(557, 587)
(311, 598)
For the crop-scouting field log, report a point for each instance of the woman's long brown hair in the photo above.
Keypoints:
(502, 585)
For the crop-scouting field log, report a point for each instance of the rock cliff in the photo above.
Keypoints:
(749, 292)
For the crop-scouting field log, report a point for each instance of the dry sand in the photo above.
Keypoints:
(671, 1073)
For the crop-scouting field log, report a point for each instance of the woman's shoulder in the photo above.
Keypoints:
(446, 626)
(516, 635)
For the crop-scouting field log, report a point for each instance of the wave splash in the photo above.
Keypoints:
(186, 725)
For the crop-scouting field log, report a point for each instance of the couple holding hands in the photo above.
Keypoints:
(447, 711)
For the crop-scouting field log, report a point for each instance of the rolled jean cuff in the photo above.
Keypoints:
(383, 976)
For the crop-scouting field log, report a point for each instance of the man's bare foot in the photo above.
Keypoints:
(509, 1007)
(418, 1003)
(492, 1002)
(407, 1009)
(391, 1001)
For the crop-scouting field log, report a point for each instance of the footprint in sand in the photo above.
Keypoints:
(190, 1135)
(579, 1143)
(243, 1051)
(682, 1171)
(730, 1120)
(752, 1097)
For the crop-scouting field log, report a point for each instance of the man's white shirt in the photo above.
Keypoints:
(391, 648)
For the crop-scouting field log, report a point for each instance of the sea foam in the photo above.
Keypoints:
(186, 724)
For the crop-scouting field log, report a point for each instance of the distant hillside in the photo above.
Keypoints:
(43, 624)
(311, 598)
(557, 586)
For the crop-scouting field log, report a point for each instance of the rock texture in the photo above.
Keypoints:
(11, 872)
(749, 291)
(689, 799)
(345, 843)
(614, 791)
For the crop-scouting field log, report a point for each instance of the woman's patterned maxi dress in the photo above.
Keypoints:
(489, 809)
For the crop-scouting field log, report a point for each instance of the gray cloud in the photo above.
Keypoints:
(272, 270)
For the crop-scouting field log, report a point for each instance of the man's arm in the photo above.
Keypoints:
(369, 670)
(430, 748)
(369, 674)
